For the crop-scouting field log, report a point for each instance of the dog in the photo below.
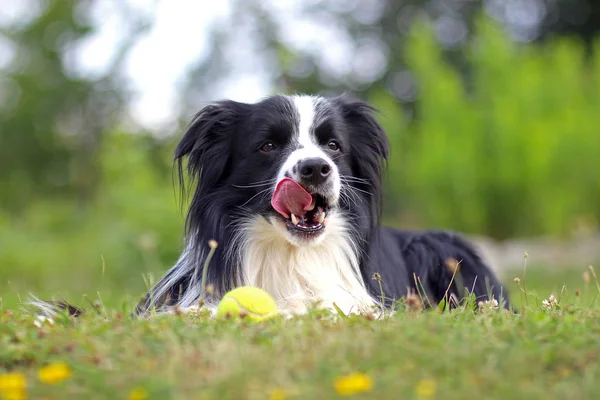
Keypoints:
(290, 188)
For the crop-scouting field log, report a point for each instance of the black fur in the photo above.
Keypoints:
(424, 258)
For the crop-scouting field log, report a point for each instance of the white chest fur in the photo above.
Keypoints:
(300, 275)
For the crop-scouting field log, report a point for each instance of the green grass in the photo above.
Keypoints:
(539, 353)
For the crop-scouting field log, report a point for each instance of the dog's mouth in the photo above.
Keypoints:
(302, 212)
(313, 220)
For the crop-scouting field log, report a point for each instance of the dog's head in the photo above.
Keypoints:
(296, 161)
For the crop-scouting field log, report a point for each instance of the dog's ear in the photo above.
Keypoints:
(207, 143)
(369, 142)
(369, 146)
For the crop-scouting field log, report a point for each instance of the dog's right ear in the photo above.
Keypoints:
(207, 143)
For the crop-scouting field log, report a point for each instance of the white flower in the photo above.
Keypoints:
(488, 304)
(550, 303)
(40, 320)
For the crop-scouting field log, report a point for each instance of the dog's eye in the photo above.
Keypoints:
(267, 147)
(333, 145)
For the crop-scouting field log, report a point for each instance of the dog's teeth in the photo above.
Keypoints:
(322, 217)
(312, 205)
(294, 220)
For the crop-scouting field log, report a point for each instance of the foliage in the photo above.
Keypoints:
(134, 227)
(53, 116)
(359, 46)
(513, 154)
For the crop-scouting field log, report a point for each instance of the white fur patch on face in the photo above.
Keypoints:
(305, 106)
(304, 142)
(306, 146)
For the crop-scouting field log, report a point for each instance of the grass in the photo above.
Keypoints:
(540, 353)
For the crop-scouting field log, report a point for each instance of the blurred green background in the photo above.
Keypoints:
(491, 108)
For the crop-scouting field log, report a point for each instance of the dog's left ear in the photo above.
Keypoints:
(207, 142)
(369, 142)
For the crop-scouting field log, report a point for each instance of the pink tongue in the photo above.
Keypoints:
(290, 198)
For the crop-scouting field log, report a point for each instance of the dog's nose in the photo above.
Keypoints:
(314, 170)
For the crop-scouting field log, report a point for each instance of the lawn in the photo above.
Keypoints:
(543, 352)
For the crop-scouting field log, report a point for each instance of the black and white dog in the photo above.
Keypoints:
(290, 188)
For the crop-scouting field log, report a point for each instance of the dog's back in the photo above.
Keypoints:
(424, 262)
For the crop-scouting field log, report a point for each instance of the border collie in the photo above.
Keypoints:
(291, 189)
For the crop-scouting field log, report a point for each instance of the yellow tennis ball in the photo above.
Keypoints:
(250, 302)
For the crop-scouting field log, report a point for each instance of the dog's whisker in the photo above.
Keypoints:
(347, 181)
(251, 186)
(350, 199)
(262, 192)
(256, 184)
(355, 180)
(351, 189)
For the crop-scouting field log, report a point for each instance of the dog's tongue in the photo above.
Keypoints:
(290, 198)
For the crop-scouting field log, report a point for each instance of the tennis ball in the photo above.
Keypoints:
(250, 302)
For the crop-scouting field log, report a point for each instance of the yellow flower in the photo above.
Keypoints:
(12, 382)
(354, 383)
(14, 395)
(13, 387)
(54, 373)
(138, 393)
(425, 388)
(278, 394)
